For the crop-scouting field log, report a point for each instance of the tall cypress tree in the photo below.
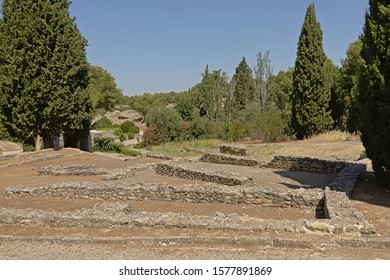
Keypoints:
(311, 96)
(44, 71)
(244, 91)
(374, 87)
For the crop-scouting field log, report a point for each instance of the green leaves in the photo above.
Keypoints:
(44, 72)
(311, 95)
(374, 87)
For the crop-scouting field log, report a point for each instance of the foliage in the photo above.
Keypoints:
(244, 91)
(336, 102)
(146, 102)
(210, 92)
(374, 87)
(263, 72)
(281, 87)
(349, 83)
(129, 126)
(186, 108)
(264, 126)
(155, 135)
(167, 119)
(44, 71)
(103, 123)
(119, 133)
(102, 89)
(310, 99)
(107, 144)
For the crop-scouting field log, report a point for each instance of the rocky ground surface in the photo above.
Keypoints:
(35, 242)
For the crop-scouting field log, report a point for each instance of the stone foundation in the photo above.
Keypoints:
(233, 150)
(207, 193)
(231, 160)
(192, 172)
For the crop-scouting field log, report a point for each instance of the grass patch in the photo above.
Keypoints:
(334, 135)
(174, 148)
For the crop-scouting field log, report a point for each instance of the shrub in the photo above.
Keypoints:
(166, 119)
(129, 126)
(118, 132)
(107, 144)
(130, 135)
(155, 135)
(103, 123)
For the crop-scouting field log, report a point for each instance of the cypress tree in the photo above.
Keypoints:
(311, 96)
(374, 87)
(44, 72)
(244, 91)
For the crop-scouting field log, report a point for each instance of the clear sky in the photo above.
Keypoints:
(164, 45)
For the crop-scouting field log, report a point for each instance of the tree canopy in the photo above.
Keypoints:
(374, 87)
(311, 96)
(44, 71)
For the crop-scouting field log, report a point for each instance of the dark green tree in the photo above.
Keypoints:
(244, 89)
(281, 87)
(349, 83)
(310, 99)
(336, 103)
(374, 87)
(103, 89)
(43, 72)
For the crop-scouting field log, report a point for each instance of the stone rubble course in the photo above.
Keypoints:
(233, 150)
(195, 173)
(72, 170)
(231, 160)
(121, 216)
(207, 193)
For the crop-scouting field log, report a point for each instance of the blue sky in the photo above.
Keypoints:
(164, 45)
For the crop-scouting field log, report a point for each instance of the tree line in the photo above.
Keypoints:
(48, 87)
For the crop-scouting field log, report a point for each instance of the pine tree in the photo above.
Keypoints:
(244, 91)
(44, 72)
(374, 87)
(311, 96)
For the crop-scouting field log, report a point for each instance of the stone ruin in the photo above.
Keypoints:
(339, 216)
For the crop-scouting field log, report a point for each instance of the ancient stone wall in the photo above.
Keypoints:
(195, 173)
(233, 150)
(121, 216)
(346, 179)
(231, 160)
(306, 164)
(207, 193)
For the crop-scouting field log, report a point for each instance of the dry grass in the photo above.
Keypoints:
(334, 135)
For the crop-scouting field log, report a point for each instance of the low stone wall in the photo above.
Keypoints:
(121, 173)
(93, 170)
(231, 160)
(121, 216)
(347, 178)
(72, 170)
(339, 209)
(194, 173)
(207, 193)
(306, 164)
(233, 150)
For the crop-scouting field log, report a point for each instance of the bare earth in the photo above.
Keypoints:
(19, 242)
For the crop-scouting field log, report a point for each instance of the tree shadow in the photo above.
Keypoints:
(297, 179)
(371, 190)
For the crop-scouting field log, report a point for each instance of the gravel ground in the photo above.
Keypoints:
(21, 250)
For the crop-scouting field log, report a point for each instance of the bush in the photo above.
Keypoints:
(103, 123)
(166, 119)
(155, 135)
(107, 144)
(129, 126)
(118, 132)
(130, 135)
